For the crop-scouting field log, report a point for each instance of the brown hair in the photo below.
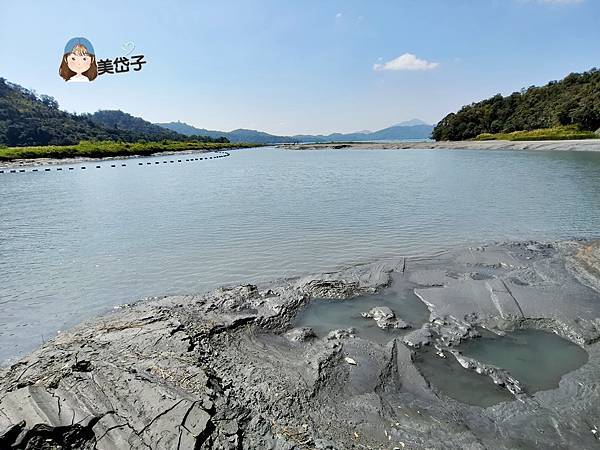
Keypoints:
(78, 50)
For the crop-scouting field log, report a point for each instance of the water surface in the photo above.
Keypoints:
(449, 377)
(75, 243)
(536, 358)
(324, 316)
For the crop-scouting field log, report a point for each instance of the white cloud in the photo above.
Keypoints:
(338, 15)
(408, 61)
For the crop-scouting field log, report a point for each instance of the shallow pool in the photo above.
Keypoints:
(324, 316)
(536, 358)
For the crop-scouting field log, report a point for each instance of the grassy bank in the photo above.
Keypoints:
(102, 149)
(545, 134)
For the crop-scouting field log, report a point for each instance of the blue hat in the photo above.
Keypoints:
(79, 41)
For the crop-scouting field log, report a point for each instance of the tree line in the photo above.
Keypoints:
(29, 119)
(575, 101)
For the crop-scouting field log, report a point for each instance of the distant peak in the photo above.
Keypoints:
(411, 123)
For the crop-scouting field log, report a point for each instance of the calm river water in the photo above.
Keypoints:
(74, 244)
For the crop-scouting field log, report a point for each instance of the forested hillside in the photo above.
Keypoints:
(115, 119)
(29, 119)
(575, 100)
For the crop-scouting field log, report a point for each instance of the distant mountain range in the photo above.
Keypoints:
(27, 118)
(411, 123)
(413, 129)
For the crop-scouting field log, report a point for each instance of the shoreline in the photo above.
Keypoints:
(587, 145)
(35, 162)
(584, 145)
(227, 369)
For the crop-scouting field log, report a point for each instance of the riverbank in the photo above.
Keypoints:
(229, 370)
(566, 132)
(104, 151)
(585, 145)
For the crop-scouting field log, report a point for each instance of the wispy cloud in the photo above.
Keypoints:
(338, 15)
(408, 61)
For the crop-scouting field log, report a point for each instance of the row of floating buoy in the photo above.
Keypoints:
(166, 161)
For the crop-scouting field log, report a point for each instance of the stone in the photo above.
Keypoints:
(418, 338)
(341, 334)
(498, 375)
(385, 318)
(300, 334)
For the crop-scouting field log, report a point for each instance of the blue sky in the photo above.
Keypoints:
(291, 66)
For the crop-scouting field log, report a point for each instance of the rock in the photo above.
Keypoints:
(350, 360)
(341, 334)
(385, 318)
(499, 376)
(439, 350)
(379, 313)
(300, 334)
(83, 366)
(12, 433)
(585, 264)
(452, 331)
(418, 338)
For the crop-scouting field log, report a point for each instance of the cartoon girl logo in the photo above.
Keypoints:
(79, 61)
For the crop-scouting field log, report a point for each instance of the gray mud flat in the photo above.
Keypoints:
(581, 145)
(230, 369)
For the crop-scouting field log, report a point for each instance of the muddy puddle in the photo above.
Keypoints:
(324, 316)
(448, 376)
(536, 358)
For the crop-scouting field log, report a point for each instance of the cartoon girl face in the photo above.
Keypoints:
(78, 62)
